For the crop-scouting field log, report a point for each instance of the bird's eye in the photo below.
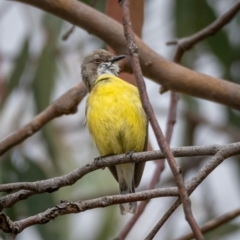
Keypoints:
(97, 60)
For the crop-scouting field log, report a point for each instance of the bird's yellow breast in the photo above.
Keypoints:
(115, 117)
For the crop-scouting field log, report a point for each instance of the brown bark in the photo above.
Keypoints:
(155, 67)
(137, 17)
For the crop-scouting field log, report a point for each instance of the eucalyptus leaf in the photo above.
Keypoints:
(18, 69)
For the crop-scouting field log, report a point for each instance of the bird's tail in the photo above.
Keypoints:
(130, 207)
(125, 174)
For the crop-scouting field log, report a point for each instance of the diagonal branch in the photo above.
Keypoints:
(66, 104)
(133, 51)
(155, 67)
(28, 189)
(187, 43)
(214, 223)
(66, 207)
(50, 185)
(160, 165)
(216, 160)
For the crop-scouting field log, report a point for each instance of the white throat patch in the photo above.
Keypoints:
(108, 68)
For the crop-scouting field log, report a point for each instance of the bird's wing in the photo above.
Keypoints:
(139, 167)
(113, 171)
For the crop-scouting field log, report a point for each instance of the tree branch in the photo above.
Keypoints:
(67, 207)
(216, 160)
(133, 51)
(187, 43)
(150, 62)
(214, 223)
(155, 67)
(66, 104)
(50, 185)
(160, 165)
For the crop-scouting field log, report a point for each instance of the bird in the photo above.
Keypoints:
(115, 118)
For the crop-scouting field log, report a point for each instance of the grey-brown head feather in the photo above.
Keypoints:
(89, 69)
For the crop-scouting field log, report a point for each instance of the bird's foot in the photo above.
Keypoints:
(129, 154)
(97, 159)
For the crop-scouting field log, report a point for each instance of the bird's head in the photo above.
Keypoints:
(98, 63)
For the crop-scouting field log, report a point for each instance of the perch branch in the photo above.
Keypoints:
(50, 185)
(133, 51)
(66, 207)
(216, 160)
(160, 165)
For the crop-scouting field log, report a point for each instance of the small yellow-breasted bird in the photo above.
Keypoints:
(115, 118)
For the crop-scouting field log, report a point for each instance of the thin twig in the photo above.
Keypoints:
(13, 236)
(67, 207)
(214, 223)
(50, 185)
(216, 160)
(184, 45)
(66, 35)
(172, 116)
(160, 165)
(66, 104)
(188, 42)
(133, 51)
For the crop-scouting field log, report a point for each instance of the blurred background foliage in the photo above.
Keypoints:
(41, 66)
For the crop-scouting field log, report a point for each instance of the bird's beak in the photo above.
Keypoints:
(117, 58)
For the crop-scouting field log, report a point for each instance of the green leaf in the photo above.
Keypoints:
(192, 16)
(24, 169)
(40, 202)
(108, 226)
(225, 52)
(51, 141)
(192, 107)
(43, 81)
(222, 232)
(18, 68)
(99, 5)
(44, 78)
(233, 117)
